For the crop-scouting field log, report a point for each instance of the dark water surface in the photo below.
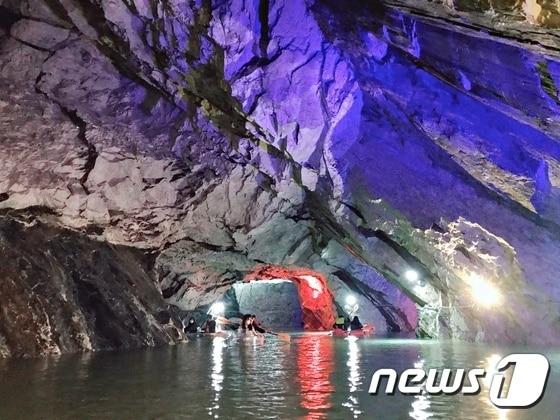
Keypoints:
(314, 376)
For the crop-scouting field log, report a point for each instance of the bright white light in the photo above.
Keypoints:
(484, 292)
(411, 275)
(217, 308)
(351, 300)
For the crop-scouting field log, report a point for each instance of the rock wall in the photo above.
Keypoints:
(358, 139)
(62, 292)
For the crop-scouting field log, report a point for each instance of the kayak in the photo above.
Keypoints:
(364, 332)
(222, 334)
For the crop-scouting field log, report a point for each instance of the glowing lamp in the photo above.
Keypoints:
(411, 275)
(217, 308)
(483, 291)
(351, 300)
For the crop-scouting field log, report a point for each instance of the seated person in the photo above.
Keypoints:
(191, 326)
(257, 325)
(355, 324)
(247, 326)
(210, 325)
(246, 322)
(340, 323)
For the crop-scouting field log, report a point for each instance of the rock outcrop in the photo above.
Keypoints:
(63, 292)
(357, 139)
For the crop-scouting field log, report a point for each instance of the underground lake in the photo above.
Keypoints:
(312, 377)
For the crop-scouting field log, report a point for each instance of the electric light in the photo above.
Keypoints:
(217, 308)
(351, 300)
(411, 275)
(483, 291)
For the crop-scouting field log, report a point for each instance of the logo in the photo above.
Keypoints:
(527, 374)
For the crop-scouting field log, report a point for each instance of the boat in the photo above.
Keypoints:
(223, 334)
(367, 330)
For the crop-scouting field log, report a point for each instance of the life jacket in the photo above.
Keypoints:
(339, 322)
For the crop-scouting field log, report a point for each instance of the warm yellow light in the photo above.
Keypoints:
(483, 291)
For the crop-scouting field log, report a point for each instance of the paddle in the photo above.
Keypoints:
(282, 336)
(224, 320)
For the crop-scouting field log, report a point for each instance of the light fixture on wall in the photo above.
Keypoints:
(217, 308)
(351, 307)
(351, 300)
(483, 291)
(411, 275)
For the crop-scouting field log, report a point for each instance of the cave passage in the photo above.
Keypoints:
(275, 302)
(315, 297)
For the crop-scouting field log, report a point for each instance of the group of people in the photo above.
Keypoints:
(249, 325)
(209, 326)
(343, 323)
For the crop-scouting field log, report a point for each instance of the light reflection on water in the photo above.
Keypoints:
(315, 365)
(421, 404)
(313, 377)
(218, 345)
(354, 379)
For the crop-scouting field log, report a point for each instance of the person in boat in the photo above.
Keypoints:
(340, 323)
(191, 326)
(210, 325)
(246, 324)
(355, 324)
(257, 327)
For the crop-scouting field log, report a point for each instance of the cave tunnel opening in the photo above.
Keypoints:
(275, 302)
(302, 297)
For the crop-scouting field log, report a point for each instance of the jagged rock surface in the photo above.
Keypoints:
(359, 140)
(62, 292)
